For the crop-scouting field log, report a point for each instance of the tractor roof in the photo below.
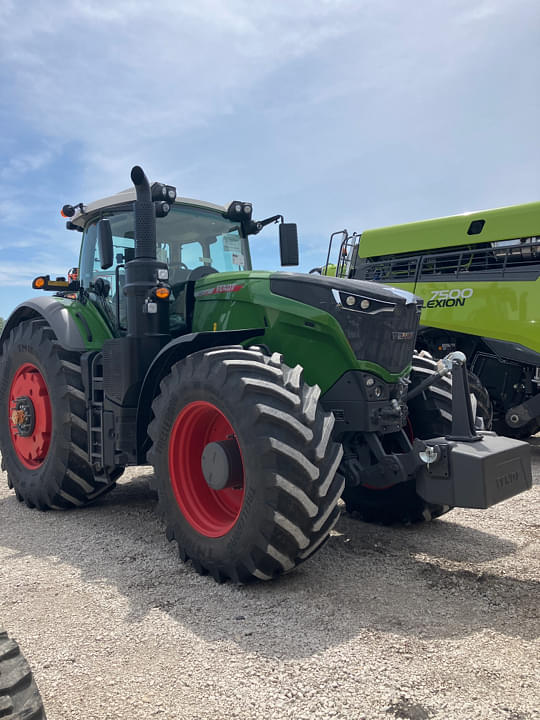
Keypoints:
(128, 196)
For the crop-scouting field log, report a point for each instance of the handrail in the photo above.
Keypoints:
(499, 261)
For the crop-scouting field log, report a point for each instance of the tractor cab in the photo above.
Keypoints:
(193, 239)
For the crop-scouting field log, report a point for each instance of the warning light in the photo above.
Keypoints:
(162, 293)
(39, 283)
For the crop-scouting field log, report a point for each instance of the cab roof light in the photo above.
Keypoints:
(239, 211)
(163, 192)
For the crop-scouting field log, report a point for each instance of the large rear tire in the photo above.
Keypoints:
(430, 415)
(43, 433)
(282, 502)
(19, 694)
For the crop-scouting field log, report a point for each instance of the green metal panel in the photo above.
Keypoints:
(305, 335)
(506, 223)
(99, 329)
(502, 310)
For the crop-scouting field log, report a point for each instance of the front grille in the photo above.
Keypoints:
(384, 338)
(379, 322)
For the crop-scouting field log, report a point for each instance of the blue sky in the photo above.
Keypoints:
(336, 113)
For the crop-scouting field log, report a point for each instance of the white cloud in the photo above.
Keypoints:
(130, 79)
(355, 112)
(26, 162)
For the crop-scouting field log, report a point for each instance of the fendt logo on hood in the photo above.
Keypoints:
(449, 298)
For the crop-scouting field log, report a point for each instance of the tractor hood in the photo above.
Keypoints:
(307, 287)
(379, 322)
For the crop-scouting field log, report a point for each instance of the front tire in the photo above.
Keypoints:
(282, 502)
(43, 433)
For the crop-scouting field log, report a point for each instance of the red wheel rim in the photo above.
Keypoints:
(211, 512)
(30, 416)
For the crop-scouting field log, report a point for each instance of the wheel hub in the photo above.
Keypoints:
(222, 464)
(206, 469)
(23, 416)
(30, 416)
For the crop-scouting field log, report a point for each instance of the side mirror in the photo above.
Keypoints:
(288, 243)
(105, 244)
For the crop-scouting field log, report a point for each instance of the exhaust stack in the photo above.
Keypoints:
(146, 318)
(145, 217)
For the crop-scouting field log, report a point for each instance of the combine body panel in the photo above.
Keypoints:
(260, 398)
(484, 226)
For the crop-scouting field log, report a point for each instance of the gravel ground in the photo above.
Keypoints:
(433, 621)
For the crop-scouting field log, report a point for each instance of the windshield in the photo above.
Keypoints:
(187, 238)
(190, 237)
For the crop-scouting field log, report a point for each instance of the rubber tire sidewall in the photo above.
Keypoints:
(246, 532)
(24, 694)
(35, 484)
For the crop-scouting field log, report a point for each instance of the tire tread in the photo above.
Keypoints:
(298, 458)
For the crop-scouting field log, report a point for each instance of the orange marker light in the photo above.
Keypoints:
(163, 293)
(38, 283)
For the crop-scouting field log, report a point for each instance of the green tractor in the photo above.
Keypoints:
(260, 398)
(479, 276)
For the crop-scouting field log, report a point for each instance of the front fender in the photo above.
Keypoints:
(176, 350)
(55, 313)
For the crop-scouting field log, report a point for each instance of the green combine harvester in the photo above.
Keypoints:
(260, 398)
(478, 274)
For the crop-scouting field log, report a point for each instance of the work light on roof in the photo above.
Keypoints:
(239, 211)
(162, 209)
(163, 192)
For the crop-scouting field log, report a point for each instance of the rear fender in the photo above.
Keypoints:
(173, 352)
(57, 316)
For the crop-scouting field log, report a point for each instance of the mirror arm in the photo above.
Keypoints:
(257, 226)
